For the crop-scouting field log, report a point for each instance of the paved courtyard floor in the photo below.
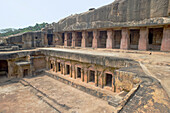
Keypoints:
(43, 94)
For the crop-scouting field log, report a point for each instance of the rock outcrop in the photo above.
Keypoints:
(120, 13)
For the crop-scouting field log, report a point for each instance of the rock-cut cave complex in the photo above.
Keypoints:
(115, 58)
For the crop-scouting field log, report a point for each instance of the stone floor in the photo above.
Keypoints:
(43, 94)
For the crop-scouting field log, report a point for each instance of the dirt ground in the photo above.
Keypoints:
(43, 94)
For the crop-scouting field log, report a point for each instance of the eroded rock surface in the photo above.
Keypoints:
(121, 13)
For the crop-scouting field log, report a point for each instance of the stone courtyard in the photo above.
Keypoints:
(113, 59)
(44, 94)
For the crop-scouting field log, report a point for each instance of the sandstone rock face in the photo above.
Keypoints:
(118, 14)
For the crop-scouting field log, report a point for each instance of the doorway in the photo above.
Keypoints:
(59, 66)
(3, 68)
(67, 69)
(109, 80)
(155, 38)
(78, 72)
(92, 76)
(50, 39)
(25, 73)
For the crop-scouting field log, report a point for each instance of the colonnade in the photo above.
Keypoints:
(143, 38)
(99, 76)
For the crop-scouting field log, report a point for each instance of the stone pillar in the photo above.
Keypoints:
(86, 75)
(143, 40)
(84, 38)
(10, 69)
(54, 66)
(125, 41)
(165, 46)
(20, 72)
(64, 69)
(73, 71)
(65, 39)
(101, 80)
(55, 38)
(82, 75)
(74, 37)
(113, 83)
(45, 40)
(110, 39)
(32, 69)
(47, 63)
(95, 38)
(104, 79)
(96, 78)
(56, 63)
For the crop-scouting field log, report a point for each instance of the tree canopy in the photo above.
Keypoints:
(11, 31)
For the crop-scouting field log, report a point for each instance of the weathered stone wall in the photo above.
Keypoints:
(13, 69)
(166, 39)
(125, 80)
(87, 58)
(28, 40)
(39, 63)
(33, 39)
(14, 40)
(116, 14)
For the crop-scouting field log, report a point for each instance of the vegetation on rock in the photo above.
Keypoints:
(11, 31)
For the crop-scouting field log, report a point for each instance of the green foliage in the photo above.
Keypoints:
(10, 31)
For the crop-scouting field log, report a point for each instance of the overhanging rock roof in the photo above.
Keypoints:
(121, 13)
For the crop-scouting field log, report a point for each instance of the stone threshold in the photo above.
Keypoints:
(113, 99)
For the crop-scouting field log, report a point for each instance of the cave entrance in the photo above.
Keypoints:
(109, 80)
(3, 68)
(92, 76)
(50, 39)
(25, 72)
(62, 39)
(102, 39)
(59, 66)
(155, 38)
(67, 69)
(51, 66)
(117, 37)
(89, 39)
(69, 40)
(78, 72)
(134, 39)
(79, 38)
